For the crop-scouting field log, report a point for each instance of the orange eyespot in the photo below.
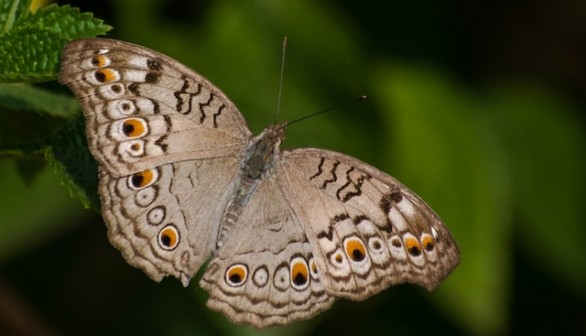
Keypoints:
(99, 61)
(169, 237)
(428, 242)
(133, 127)
(236, 275)
(299, 273)
(105, 75)
(355, 249)
(143, 179)
(413, 246)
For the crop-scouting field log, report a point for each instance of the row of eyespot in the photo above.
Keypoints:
(297, 274)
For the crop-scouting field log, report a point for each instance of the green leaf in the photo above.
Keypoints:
(67, 22)
(20, 97)
(30, 55)
(32, 48)
(73, 163)
(11, 12)
(444, 152)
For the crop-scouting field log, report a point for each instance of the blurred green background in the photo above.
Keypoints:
(476, 106)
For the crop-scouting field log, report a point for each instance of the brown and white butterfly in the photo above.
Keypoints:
(183, 180)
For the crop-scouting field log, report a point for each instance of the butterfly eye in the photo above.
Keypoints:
(299, 273)
(169, 237)
(143, 179)
(355, 249)
(134, 127)
(428, 242)
(413, 246)
(236, 275)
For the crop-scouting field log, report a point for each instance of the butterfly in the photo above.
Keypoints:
(183, 181)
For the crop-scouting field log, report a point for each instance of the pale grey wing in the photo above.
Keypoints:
(265, 273)
(144, 109)
(165, 219)
(367, 230)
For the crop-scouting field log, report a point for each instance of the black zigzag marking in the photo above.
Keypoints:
(357, 186)
(217, 114)
(183, 103)
(208, 103)
(334, 176)
(161, 140)
(319, 168)
(329, 234)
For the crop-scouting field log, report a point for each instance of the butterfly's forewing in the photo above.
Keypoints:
(144, 109)
(168, 143)
(367, 230)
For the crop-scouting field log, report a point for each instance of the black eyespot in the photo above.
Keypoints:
(128, 128)
(137, 180)
(100, 76)
(357, 255)
(299, 279)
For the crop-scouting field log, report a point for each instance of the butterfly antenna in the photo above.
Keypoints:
(281, 78)
(355, 100)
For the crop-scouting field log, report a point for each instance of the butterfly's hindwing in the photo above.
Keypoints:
(279, 281)
(165, 219)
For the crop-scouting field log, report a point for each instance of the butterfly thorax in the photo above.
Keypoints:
(258, 158)
(257, 163)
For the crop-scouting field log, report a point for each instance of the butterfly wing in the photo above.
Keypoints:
(366, 229)
(144, 109)
(265, 273)
(165, 220)
(168, 143)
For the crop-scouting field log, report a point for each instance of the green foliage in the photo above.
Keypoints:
(71, 160)
(27, 98)
(456, 160)
(31, 43)
(40, 125)
(31, 46)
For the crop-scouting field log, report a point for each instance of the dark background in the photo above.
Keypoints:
(477, 106)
